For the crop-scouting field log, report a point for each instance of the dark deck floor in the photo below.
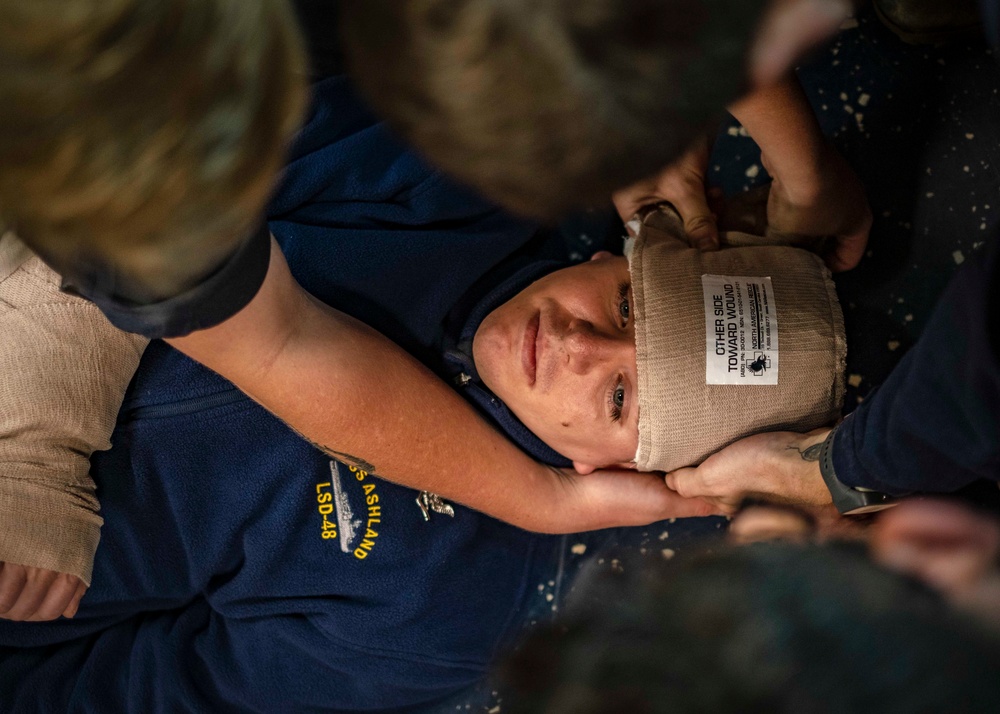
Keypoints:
(921, 126)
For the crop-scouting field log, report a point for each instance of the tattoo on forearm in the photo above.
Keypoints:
(349, 459)
(346, 458)
(810, 454)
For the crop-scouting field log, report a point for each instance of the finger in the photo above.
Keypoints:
(35, 590)
(57, 599)
(764, 521)
(685, 482)
(847, 252)
(680, 507)
(699, 221)
(629, 200)
(74, 603)
(850, 249)
(12, 580)
(723, 506)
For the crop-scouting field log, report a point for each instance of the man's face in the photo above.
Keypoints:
(561, 355)
(950, 546)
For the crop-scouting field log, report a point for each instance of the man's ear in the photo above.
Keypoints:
(602, 255)
(789, 30)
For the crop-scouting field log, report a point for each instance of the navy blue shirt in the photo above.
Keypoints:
(934, 425)
(240, 569)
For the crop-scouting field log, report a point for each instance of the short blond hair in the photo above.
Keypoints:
(546, 105)
(144, 133)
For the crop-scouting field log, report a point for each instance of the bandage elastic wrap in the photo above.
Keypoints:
(682, 418)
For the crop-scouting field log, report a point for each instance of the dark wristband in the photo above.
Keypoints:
(848, 500)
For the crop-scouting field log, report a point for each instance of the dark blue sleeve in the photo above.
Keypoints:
(990, 11)
(211, 301)
(935, 424)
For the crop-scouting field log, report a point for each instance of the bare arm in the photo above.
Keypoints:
(814, 191)
(64, 370)
(364, 400)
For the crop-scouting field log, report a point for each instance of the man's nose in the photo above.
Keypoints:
(587, 347)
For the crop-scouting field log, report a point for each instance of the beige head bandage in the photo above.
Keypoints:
(729, 343)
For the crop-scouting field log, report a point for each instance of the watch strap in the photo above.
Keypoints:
(848, 500)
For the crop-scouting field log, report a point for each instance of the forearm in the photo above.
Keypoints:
(63, 373)
(935, 423)
(779, 118)
(814, 191)
(361, 398)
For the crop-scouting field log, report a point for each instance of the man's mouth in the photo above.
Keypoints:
(529, 349)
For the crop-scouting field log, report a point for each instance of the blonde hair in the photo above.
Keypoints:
(545, 105)
(144, 133)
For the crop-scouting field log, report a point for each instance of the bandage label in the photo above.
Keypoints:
(741, 330)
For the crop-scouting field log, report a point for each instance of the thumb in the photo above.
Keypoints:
(680, 481)
(699, 221)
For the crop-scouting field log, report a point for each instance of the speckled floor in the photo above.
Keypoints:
(921, 126)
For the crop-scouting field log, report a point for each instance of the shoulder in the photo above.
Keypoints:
(26, 281)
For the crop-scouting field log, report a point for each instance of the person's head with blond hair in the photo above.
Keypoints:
(545, 105)
(144, 134)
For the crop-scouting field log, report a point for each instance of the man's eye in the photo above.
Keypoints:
(624, 310)
(616, 400)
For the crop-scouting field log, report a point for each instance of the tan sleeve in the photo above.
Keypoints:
(64, 370)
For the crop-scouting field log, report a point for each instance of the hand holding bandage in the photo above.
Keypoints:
(782, 343)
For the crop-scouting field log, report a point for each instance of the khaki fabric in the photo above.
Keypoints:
(683, 420)
(63, 373)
